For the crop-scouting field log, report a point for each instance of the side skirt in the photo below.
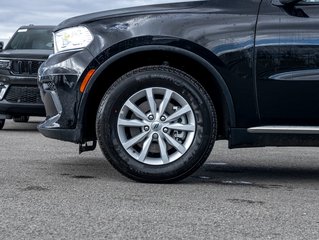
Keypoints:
(279, 136)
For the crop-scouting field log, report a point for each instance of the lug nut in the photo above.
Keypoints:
(146, 128)
(155, 136)
(165, 130)
(163, 118)
(151, 117)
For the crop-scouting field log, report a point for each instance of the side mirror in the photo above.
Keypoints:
(1, 46)
(289, 6)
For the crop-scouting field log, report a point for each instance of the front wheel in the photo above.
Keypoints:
(156, 124)
(2, 122)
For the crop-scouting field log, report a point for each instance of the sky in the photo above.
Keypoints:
(15, 13)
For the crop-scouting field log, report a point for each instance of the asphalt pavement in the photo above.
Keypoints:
(48, 191)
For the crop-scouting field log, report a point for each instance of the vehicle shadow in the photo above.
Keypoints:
(228, 175)
(255, 176)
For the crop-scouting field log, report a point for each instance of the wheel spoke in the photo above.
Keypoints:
(163, 150)
(151, 101)
(131, 123)
(179, 147)
(136, 110)
(179, 113)
(182, 127)
(164, 103)
(145, 149)
(135, 140)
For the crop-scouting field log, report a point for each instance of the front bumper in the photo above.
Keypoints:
(69, 135)
(59, 81)
(19, 95)
(21, 109)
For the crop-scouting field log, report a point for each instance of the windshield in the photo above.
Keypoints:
(31, 39)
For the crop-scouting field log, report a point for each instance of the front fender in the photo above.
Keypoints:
(166, 44)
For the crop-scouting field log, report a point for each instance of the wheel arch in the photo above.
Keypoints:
(182, 54)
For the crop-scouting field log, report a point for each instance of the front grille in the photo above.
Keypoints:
(23, 94)
(26, 67)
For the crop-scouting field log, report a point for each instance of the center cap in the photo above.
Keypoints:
(156, 126)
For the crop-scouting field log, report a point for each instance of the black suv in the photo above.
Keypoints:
(157, 85)
(20, 97)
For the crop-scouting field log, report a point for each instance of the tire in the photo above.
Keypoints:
(21, 119)
(163, 143)
(2, 122)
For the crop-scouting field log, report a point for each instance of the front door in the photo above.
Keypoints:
(287, 63)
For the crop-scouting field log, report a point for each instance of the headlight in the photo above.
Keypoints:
(72, 38)
(5, 64)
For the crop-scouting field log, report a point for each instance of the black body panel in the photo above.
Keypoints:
(197, 27)
(260, 59)
(287, 70)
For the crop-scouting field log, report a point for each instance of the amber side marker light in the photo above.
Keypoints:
(86, 80)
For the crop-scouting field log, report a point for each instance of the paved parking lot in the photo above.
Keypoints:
(48, 191)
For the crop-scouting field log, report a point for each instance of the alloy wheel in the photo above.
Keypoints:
(156, 126)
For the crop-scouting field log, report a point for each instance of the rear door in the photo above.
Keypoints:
(287, 63)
